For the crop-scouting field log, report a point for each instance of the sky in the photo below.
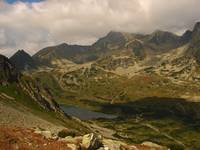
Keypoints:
(34, 24)
(29, 1)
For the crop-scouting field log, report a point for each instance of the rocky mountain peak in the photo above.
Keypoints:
(197, 27)
(22, 60)
(159, 37)
(162, 40)
(111, 39)
(196, 32)
(186, 37)
(20, 53)
(63, 45)
(114, 34)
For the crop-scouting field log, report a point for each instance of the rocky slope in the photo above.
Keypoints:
(32, 88)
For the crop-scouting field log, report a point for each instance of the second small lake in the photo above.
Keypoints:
(85, 114)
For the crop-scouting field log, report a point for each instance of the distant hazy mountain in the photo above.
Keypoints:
(114, 42)
(22, 61)
(162, 40)
(186, 37)
(62, 51)
(112, 39)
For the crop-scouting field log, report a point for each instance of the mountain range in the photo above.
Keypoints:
(114, 42)
(160, 59)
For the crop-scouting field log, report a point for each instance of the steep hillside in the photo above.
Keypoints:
(14, 83)
(35, 105)
(8, 72)
(194, 46)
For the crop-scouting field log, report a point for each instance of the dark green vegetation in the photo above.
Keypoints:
(168, 132)
(170, 122)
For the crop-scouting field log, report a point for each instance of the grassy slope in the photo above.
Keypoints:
(21, 100)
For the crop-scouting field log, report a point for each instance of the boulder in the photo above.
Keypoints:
(112, 144)
(73, 146)
(46, 134)
(66, 132)
(154, 146)
(73, 140)
(92, 141)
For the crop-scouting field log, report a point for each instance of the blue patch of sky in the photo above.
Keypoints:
(27, 1)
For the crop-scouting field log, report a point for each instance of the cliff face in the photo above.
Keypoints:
(39, 94)
(8, 72)
(194, 45)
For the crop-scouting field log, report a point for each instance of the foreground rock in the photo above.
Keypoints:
(16, 138)
(25, 139)
(92, 141)
(117, 145)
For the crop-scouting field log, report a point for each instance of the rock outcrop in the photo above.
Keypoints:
(38, 93)
(89, 142)
(8, 72)
(92, 141)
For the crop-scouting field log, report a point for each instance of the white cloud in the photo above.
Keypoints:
(34, 26)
